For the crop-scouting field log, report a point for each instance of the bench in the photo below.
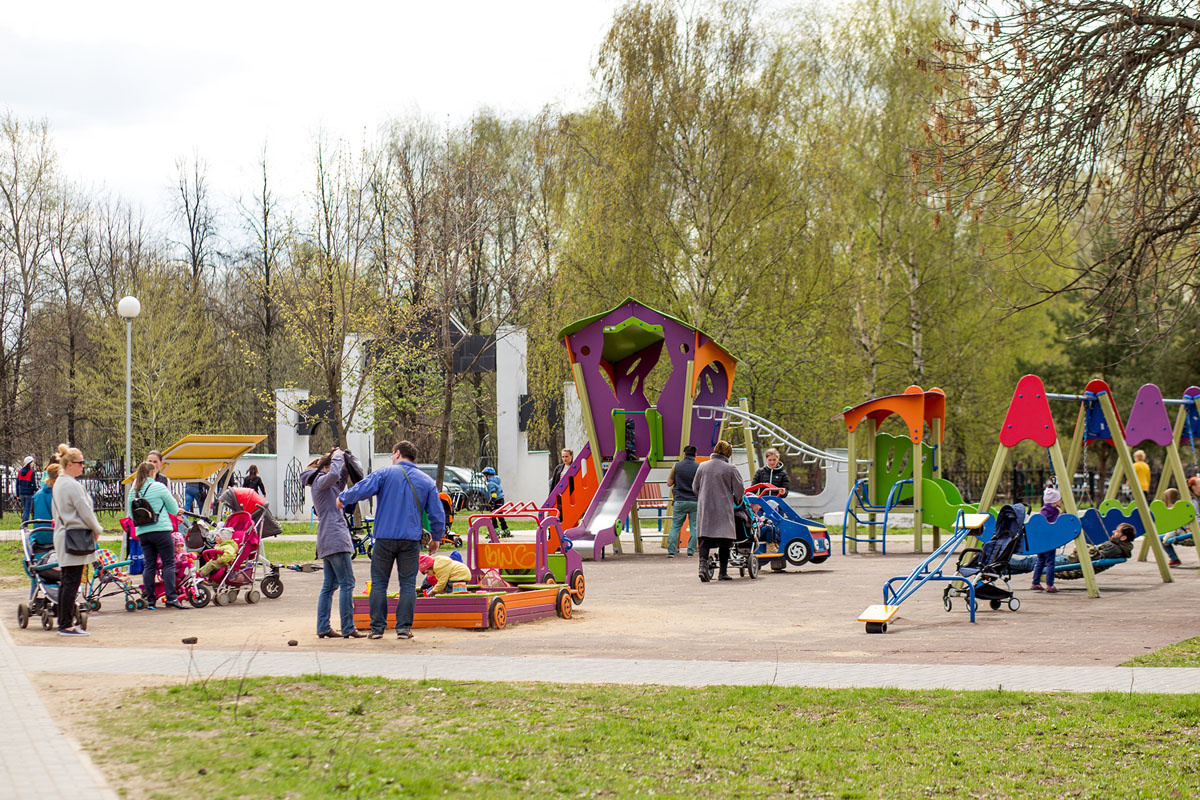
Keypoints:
(650, 496)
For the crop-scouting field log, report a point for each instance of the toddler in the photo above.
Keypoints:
(1051, 501)
(220, 556)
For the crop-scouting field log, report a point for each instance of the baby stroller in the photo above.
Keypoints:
(41, 565)
(741, 554)
(228, 581)
(984, 570)
(108, 578)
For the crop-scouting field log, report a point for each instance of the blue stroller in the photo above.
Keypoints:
(41, 565)
(987, 568)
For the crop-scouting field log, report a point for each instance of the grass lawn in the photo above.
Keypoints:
(1183, 654)
(325, 737)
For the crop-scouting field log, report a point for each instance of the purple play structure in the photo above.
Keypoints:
(611, 356)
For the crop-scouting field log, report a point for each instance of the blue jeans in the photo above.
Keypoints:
(339, 574)
(683, 509)
(1168, 543)
(402, 553)
(1044, 563)
(26, 507)
(191, 497)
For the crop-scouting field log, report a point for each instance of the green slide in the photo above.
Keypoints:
(940, 503)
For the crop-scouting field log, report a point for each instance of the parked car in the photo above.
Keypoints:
(473, 485)
(451, 485)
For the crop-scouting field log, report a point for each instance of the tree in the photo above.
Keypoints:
(194, 211)
(1082, 113)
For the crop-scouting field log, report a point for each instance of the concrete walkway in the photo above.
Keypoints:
(201, 664)
(37, 761)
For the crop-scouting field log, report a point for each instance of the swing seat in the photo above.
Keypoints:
(1072, 572)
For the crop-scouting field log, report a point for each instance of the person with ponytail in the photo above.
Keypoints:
(153, 528)
(72, 511)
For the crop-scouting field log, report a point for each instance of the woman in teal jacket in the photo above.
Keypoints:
(155, 537)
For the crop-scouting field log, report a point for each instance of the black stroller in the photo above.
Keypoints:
(741, 553)
(984, 571)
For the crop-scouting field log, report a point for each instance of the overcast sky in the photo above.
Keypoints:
(129, 87)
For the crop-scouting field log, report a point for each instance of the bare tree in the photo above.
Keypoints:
(1077, 119)
(194, 211)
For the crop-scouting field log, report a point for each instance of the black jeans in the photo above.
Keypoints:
(722, 545)
(403, 554)
(156, 545)
(68, 593)
(498, 521)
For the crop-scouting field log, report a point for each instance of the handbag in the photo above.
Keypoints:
(80, 541)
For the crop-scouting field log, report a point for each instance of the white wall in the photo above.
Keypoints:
(525, 475)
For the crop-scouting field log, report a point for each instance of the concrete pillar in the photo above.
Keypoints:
(525, 475)
(289, 445)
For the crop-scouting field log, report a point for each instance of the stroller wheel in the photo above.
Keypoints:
(253, 596)
(218, 599)
(93, 605)
(200, 596)
(271, 586)
(995, 604)
(1013, 604)
(141, 602)
(457, 541)
(131, 605)
(946, 603)
(231, 597)
(47, 620)
(23, 615)
(752, 566)
(82, 617)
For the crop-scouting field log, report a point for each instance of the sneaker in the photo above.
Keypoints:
(724, 577)
(404, 633)
(175, 604)
(375, 635)
(670, 555)
(1051, 590)
(1174, 563)
(73, 632)
(1037, 587)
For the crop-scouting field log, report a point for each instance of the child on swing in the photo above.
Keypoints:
(1171, 497)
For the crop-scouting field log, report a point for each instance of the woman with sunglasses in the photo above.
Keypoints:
(72, 511)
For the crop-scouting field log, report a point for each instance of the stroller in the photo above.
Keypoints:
(227, 582)
(109, 578)
(741, 553)
(983, 571)
(41, 565)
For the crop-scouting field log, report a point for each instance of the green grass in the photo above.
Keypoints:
(11, 557)
(373, 738)
(1182, 654)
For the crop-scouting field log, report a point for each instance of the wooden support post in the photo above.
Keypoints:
(685, 437)
(1125, 463)
(1077, 441)
(589, 421)
(751, 460)
(637, 528)
(993, 480)
(852, 475)
(1173, 467)
(918, 545)
(1068, 501)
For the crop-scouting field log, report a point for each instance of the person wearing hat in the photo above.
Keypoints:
(334, 546)
(27, 487)
(1051, 502)
(495, 497)
(442, 574)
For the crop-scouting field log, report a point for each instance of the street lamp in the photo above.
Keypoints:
(127, 309)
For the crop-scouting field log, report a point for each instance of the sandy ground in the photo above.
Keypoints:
(648, 607)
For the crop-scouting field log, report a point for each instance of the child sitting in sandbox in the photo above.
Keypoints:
(442, 574)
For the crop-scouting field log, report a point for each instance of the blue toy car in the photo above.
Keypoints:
(800, 540)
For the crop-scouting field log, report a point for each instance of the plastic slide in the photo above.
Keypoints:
(940, 503)
(614, 498)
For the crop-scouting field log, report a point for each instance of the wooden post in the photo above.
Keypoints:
(993, 480)
(1173, 467)
(1068, 500)
(751, 460)
(1125, 461)
(637, 528)
(685, 437)
(588, 421)
(1077, 442)
(918, 545)
(852, 473)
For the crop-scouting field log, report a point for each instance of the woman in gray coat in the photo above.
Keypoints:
(72, 511)
(718, 486)
(334, 545)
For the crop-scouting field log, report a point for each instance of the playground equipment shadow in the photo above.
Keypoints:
(650, 607)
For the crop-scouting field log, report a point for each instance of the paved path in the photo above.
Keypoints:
(199, 663)
(36, 760)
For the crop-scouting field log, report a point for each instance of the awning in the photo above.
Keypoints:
(198, 456)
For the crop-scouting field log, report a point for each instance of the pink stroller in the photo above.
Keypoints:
(228, 581)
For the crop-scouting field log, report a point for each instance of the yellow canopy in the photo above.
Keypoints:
(199, 456)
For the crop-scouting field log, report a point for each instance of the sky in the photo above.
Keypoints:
(129, 88)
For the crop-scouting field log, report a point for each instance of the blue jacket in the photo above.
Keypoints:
(43, 503)
(494, 489)
(396, 515)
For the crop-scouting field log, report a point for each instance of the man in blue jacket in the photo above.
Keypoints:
(404, 492)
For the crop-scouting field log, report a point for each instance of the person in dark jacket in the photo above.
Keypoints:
(27, 487)
(684, 505)
(253, 481)
(718, 486)
(774, 472)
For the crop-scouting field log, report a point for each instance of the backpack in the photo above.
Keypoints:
(141, 512)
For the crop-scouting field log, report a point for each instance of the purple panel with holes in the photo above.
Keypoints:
(1148, 420)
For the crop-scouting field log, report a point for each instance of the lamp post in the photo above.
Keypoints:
(128, 309)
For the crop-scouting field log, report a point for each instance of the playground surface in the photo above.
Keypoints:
(647, 607)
